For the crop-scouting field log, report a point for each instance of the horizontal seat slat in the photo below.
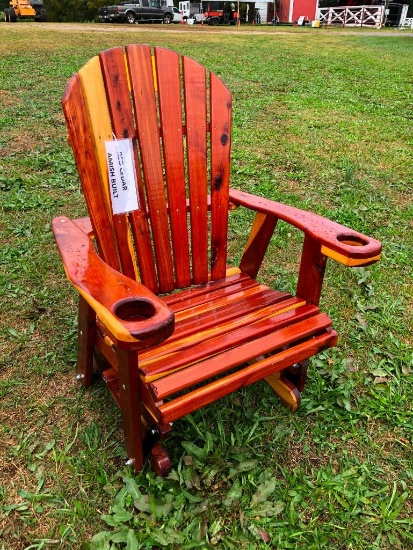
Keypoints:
(203, 396)
(225, 319)
(223, 300)
(224, 337)
(220, 293)
(218, 364)
(218, 316)
(174, 299)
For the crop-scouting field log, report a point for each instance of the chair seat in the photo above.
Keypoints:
(222, 328)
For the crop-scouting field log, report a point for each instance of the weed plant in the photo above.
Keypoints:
(322, 120)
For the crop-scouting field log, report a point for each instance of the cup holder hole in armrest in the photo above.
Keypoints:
(134, 310)
(352, 240)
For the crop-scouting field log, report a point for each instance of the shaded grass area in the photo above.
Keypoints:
(322, 120)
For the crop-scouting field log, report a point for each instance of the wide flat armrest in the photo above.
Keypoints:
(131, 312)
(337, 241)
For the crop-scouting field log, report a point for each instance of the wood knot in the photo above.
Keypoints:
(224, 139)
(218, 182)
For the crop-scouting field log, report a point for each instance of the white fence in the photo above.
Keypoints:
(405, 22)
(352, 16)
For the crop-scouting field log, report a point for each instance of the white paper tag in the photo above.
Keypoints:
(122, 177)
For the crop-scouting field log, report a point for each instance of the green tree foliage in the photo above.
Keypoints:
(73, 10)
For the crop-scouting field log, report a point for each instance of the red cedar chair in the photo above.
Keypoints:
(164, 317)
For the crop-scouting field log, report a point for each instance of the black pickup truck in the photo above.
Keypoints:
(137, 11)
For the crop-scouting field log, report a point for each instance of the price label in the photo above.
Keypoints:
(122, 175)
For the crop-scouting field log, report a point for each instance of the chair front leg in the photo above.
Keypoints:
(130, 405)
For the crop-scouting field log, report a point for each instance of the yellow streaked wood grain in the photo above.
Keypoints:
(284, 391)
(94, 94)
(232, 271)
(110, 322)
(345, 260)
(259, 221)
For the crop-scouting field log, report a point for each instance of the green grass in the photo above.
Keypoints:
(322, 120)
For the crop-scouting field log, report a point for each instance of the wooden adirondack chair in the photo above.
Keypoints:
(168, 322)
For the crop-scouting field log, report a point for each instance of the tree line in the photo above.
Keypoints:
(70, 10)
(65, 11)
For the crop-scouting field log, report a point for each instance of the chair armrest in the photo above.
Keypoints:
(337, 241)
(135, 317)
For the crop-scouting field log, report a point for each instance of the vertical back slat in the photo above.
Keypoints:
(144, 101)
(117, 89)
(98, 111)
(83, 146)
(169, 94)
(196, 131)
(220, 121)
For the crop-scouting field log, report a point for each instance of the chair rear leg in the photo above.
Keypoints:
(289, 383)
(297, 374)
(153, 450)
(159, 460)
(85, 342)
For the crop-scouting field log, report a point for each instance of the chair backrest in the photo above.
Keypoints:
(178, 118)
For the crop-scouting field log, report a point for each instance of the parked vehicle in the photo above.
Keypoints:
(25, 9)
(139, 11)
(221, 13)
(177, 15)
(190, 10)
(103, 15)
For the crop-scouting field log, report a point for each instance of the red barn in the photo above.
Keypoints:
(291, 10)
(287, 11)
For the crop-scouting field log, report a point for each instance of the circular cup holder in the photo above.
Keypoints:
(134, 310)
(352, 240)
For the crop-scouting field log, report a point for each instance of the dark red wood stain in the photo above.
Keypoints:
(211, 332)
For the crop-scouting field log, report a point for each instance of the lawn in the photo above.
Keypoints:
(322, 120)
